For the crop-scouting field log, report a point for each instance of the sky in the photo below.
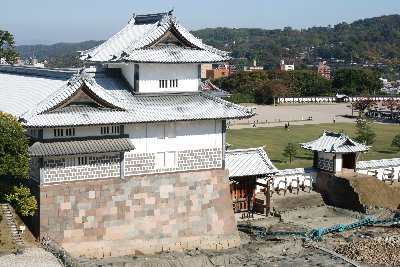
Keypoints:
(53, 21)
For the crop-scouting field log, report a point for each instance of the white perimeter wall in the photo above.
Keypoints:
(159, 137)
(150, 74)
(291, 179)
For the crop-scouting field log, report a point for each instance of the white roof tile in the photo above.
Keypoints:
(332, 142)
(22, 88)
(137, 42)
(249, 162)
(380, 163)
(125, 107)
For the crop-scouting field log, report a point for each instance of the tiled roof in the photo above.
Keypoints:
(173, 54)
(209, 88)
(77, 147)
(125, 107)
(335, 142)
(380, 163)
(157, 108)
(22, 88)
(248, 162)
(138, 42)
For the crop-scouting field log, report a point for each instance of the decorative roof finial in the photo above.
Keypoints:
(132, 20)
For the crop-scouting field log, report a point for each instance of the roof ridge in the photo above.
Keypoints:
(244, 150)
(222, 101)
(39, 71)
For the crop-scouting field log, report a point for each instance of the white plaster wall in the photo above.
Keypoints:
(279, 181)
(338, 163)
(128, 71)
(151, 73)
(380, 171)
(82, 131)
(159, 137)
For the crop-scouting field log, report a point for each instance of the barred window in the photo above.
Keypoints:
(82, 160)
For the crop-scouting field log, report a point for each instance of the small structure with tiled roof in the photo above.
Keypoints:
(334, 152)
(248, 169)
(129, 157)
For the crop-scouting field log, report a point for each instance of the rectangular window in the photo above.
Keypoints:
(110, 129)
(164, 83)
(105, 130)
(70, 132)
(82, 160)
(165, 159)
(115, 129)
(173, 83)
(64, 132)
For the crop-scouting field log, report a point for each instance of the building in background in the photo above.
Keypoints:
(286, 67)
(324, 69)
(254, 67)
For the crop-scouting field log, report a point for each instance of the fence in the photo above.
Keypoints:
(326, 99)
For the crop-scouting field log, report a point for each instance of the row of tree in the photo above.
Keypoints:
(262, 87)
(368, 40)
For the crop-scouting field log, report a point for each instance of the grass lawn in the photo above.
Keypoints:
(276, 138)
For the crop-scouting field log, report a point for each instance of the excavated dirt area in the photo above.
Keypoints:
(373, 192)
(368, 245)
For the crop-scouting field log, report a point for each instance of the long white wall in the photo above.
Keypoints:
(151, 73)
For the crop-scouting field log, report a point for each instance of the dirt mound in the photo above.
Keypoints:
(374, 192)
(381, 250)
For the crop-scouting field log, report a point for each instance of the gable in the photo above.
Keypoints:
(84, 96)
(172, 36)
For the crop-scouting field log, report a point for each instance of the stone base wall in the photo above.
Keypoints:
(140, 214)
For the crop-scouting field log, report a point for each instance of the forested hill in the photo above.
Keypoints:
(372, 40)
(58, 55)
(363, 40)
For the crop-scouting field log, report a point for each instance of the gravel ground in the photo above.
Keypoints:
(275, 251)
(366, 245)
(31, 257)
(278, 115)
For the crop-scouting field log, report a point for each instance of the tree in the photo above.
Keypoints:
(14, 159)
(396, 142)
(362, 104)
(14, 164)
(7, 45)
(365, 134)
(354, 81)
(309, 83)
(290, 151)
(22, 200)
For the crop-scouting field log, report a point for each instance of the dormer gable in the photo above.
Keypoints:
(84, 97)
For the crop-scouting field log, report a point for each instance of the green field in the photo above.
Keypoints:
(276, 138)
